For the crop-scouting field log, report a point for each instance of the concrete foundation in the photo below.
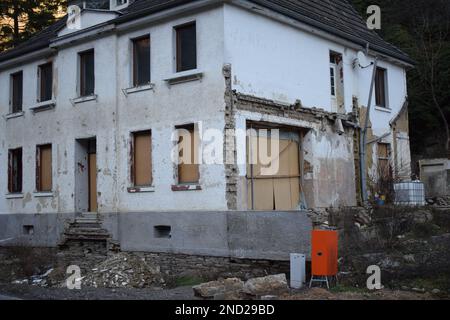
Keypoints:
(245, 235)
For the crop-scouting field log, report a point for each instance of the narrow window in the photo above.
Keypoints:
(121, 2)
(188, 167)
(142, 159)
(380, 88)
(141, 61)
(87, 76)
(44, 168)
(45, 82)
(15, 170)
(186, 43)
(17, 92)
(383, 158)
(333, 80)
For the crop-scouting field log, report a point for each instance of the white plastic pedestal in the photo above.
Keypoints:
(298, 274)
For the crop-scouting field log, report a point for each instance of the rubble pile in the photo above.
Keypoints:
(124, 270)
(439, 201)
(235, 289)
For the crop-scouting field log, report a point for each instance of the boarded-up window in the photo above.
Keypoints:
(87, 75)
(186, 43)
(380, 88)
(45, 82)
(141, 61)
(17, 92)
(15, 170)
(142, 159)
(281, 190)
(383, 158)
(44, 168)
(188, 167)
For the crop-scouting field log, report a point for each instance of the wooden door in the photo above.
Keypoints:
(92, 182)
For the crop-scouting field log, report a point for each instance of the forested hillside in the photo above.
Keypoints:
(421, 29)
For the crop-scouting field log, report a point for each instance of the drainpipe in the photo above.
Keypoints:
(363, 140)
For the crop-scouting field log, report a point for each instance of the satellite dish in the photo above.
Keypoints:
(362, 60)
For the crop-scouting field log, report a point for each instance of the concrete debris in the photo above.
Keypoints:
(234, 289)
(269, 285)
(124, 270)
(218, 289)
(439, 201)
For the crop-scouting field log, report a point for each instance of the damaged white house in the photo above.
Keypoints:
(90, 105)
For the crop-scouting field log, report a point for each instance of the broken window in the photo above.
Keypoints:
(87, 75)
(142, 159)
(45, 82)
(186, 46)
(44, 168)
(15, 170)
(188, 164)
(17, 92)
(337, 82)
(141, 61)
(380, 88)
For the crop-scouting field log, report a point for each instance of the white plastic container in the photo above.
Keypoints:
(410, 193)
(298, 272)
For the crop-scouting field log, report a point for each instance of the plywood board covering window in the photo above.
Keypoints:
(44, 168)
(17, 92)
(15, 170)
(280, 191)
(186, 47)
(45, 82)
(142, 159)
(188, 143)
(380, 88)
(141, 61)
(87, 75)
(383, 158)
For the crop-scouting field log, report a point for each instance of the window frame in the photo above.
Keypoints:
(134, 67)
(39, 187)
(178, 48)
(384, 94)
(195, 153)
(82, 90)
(13, 107)
(133, 166)
(40, 82)
(15, 187)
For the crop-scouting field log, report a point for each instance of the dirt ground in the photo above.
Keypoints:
(30, 292)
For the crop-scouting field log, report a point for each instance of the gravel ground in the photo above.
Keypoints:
(29, 292)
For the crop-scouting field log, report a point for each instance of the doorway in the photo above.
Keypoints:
(86, 175)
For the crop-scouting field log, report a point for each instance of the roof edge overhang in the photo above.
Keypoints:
(323, 31)
(27, 57)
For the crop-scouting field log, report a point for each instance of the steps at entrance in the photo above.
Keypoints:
(86, 227)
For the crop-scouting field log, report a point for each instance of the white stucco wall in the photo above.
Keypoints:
(269, 60)
(113, 117)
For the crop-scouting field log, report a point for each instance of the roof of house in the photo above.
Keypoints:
(336, 17)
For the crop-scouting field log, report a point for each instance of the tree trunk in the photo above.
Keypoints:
(16, 35)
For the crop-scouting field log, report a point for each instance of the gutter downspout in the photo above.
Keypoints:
(363, 140)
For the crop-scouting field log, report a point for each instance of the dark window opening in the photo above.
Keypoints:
(141, 171)
(141, 61)
(186, 43)
(17, 92)
(46, 82)
(44, 168)
(15, 171)
(28, 230)
(163, 232)
(380, 88)
(87, 75)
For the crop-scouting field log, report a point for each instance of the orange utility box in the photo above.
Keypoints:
(324, 255)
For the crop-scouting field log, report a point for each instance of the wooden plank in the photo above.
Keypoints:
(282, 192)
(45, 176)
(143, 159)
(93, 182)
